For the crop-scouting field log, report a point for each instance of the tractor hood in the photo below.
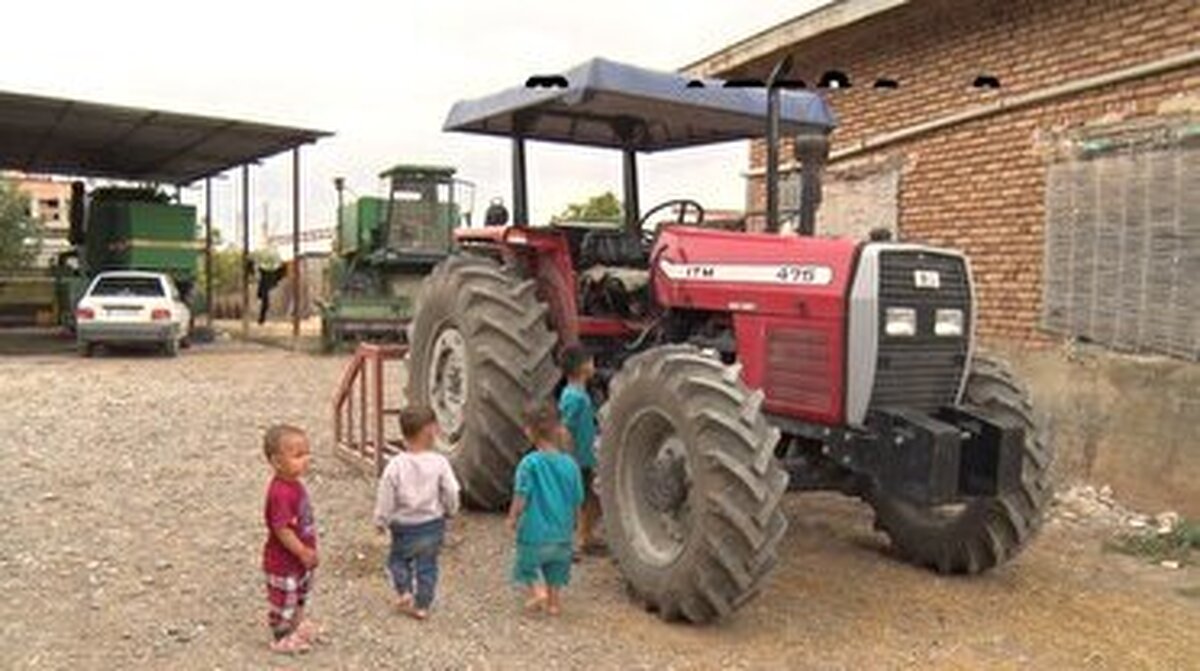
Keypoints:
(606, 104)
(723, 270)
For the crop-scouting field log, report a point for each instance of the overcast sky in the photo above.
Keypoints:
(382, 76)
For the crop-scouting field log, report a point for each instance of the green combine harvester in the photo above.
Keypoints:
(385, 246)
(127, 229)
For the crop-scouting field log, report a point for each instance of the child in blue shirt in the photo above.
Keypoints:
(546, 494)
(579, 416)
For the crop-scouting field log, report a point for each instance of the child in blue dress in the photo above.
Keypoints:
(547, 493)
(578, 414)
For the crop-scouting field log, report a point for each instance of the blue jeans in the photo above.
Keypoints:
(413, 560)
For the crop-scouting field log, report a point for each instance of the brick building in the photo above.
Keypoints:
(50, 202)
(1074, 185)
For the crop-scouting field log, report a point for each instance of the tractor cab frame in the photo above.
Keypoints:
(635, 111)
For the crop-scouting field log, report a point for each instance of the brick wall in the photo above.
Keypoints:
(980, 186)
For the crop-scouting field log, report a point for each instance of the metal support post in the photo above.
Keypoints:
(208, 252)
(296, 248)
(245, 250)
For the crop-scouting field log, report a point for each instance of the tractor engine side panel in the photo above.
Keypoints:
(787, 296)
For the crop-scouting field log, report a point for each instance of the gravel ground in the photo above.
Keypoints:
(130, 531)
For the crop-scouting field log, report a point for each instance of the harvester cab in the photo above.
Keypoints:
(733, 365)
(425, 205)
(386, 245)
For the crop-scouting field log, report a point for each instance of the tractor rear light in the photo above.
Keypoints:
(900, 322)
(948, 323)
(160, 314)
(84, 314)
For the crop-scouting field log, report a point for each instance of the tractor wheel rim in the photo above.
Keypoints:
(655, 478)
(448, 374)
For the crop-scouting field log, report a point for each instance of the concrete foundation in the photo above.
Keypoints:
(1131, 422)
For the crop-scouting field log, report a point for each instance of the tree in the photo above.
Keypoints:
(20, 231)
(604, 207)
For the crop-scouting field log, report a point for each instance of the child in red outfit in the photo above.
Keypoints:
(290, 553)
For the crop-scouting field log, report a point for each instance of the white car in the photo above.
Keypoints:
(129, 307)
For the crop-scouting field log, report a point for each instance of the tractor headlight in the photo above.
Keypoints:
(900, 322)
(948, 322)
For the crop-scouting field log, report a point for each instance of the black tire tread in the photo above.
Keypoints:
(511, 352)
(991, 531)
(739, 531)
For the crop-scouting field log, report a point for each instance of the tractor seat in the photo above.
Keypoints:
(615, 248)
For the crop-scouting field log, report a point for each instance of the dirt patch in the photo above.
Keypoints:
(130, 503)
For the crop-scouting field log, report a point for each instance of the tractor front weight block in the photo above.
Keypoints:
(943, 458)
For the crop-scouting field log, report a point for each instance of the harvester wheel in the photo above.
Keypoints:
(688, 484)
(986, 531)
(481, 350)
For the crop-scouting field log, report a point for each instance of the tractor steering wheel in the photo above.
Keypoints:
(650, 233)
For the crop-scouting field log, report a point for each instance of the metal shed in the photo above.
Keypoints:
(76, 138)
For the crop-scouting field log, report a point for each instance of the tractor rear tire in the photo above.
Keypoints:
(689, 485)
(481, 350)
(987, 531)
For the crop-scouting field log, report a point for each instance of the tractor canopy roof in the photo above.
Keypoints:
(606, 104)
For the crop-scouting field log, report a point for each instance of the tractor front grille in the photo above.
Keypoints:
(923, 371)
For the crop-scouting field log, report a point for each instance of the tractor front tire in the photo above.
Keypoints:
(480, 351)
(689, 485)
(986, 531)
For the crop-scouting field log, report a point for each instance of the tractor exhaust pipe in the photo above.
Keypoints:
(782, 68)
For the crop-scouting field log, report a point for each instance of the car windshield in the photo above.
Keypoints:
(128, 286)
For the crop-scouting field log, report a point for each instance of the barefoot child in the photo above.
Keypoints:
(290, 553)
(417, 492)
(579, 416)
(547, 492)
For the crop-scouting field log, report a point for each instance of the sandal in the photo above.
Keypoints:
(292, 644)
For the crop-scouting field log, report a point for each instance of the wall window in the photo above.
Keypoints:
(1122, 240)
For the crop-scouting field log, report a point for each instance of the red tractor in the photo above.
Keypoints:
(734, 365)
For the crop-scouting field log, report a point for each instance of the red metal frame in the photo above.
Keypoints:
(358, 433)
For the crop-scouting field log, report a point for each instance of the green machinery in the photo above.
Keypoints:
(384, 247)
(126, 229)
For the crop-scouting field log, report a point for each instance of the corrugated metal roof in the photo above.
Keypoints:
(84, 139)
